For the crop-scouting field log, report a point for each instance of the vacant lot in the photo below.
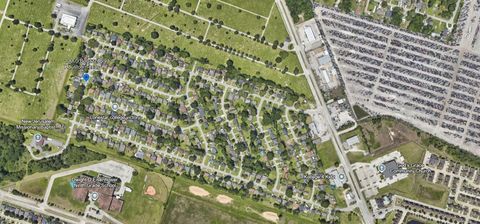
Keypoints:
(327, 154)
(11, 41)
(140, 207)
(33, 11)
(416, 188)
(34, 187)
(233, 17)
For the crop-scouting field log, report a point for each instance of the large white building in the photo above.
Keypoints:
(68, 20)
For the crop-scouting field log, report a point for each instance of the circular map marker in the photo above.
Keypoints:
(86, 77)
(381, 168)
(115, 107)
(37, 137)
(341, 176)
(94, 196)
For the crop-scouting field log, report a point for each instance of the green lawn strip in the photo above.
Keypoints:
(141, 208)
(114, 3)
(11, 43)
(102, 15)
(160, 14)
(81, 2)
(232, 17)
(33, 11)
(247, 45)
(3, 4)
(62, 194)
(327, 154)
(34, 51)
(255, 6)
(276, 28)
(416, 188)
(187, 5)
(34, 187)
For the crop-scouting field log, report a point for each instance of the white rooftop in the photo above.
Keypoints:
(68, 20)
(309, 33)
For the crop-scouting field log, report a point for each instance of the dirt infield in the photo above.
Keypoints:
(270, 216)
(198, 191)
(224, 199)
(151, 191)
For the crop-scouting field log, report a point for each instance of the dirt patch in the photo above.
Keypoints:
(150, 191)
(224, 199)
(198, 191)
(270, 216)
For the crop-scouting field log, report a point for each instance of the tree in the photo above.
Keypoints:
(289, 192)
(155, 35)
(92, 43)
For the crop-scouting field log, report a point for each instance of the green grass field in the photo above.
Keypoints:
(35, 50)
(114, 3)
(327, 154)
(412, 152)
(19, 106)
(81, 2)
(34, 187)
(416, 188)
(141, 208)
(3, 3)
(11, 43)
(160, 14)
(62, 194)
(33, 11)
(232, 17)
(184, 207)
(349, 217)
(276, 28)
(245, 44)
(102, 15)
(260, 7)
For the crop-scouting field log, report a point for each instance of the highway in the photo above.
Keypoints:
(361, 201)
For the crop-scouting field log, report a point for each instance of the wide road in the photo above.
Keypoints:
(361, 201)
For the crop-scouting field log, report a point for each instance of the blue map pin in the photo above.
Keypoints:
(86, 77)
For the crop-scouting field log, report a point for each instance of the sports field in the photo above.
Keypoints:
(140, 207)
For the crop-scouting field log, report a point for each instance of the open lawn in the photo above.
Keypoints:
(232, 17)
(62, 194)
(19, 106)
(142, 208)
(114, 3)
(275, 28)
(259, 7)
(102, 15)
(34, 51)
(11, 43)
(3, 3)
(34, 187)
(80, 2)
(416, 188)
(247, 45)
(327, 154)
(160, 14)
(33, 11)
(329, 3)
(412, 152)
(349, 217)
